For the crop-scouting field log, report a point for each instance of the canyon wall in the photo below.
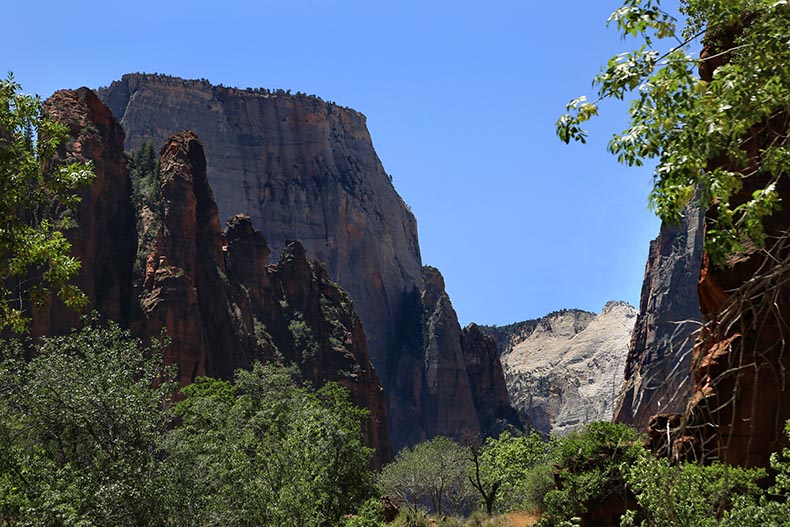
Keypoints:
(449, 380)
(106, 239)
(212, 291)
(658, 367)
(566, 369)
(304, 169)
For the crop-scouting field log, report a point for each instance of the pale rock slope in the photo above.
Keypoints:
(566, 369)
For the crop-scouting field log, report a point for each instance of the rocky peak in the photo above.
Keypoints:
(247, 257)
(433, 289)
(565, 369)
(183, 289)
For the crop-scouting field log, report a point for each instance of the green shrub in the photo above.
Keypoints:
(590, 469)
(371, 514)
(687, 494)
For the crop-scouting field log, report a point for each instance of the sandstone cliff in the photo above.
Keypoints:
(658, 367)
(448, 381)
(106, 239)
(302, 169)
(565, 369)
(221, 305)
(741, 368)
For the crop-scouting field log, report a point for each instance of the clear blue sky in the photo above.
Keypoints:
(461, 99)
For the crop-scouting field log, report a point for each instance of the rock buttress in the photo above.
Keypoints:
(658, 367)
(105, 240)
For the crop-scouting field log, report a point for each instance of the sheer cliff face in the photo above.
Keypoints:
(565, 370)
(106, 239)
(447, 381)
(302, 169)
(658, 368)
(212, 291)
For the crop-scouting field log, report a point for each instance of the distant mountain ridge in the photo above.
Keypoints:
(566, 369)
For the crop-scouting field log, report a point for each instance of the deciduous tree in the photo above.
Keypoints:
(716, 135)
(36, 196)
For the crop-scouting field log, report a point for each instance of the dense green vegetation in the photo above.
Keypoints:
(565, 479)
(37, 198)
(88, 436)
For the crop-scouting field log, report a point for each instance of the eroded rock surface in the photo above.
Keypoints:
(565, 370)
(302, 169)
(449, 381)
(106, 239)
(658, 367)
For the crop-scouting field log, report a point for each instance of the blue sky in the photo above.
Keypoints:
(461, 99)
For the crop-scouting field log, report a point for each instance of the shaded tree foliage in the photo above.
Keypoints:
(36, 198)
(432, 474)
(80, 427)
(88, 437)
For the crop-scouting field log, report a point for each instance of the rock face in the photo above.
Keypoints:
(448, 380)
(221, 305)
(487, 380)
(565, 369)
(302, 169)
(106, 239)
(658, 368)
(741, 365)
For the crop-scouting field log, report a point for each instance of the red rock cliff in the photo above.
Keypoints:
(211, 291)
(106, 239)
(741, 365)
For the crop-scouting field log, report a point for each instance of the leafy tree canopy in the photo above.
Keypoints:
(88, 437)
(80, 426)
(432, 474)
(690, 126)
(33, 205)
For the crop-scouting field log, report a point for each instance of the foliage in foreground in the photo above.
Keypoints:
(590, 465)
(432, 474)
(688, 125)
(36, 199)
(87, 437)
(80, 426)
